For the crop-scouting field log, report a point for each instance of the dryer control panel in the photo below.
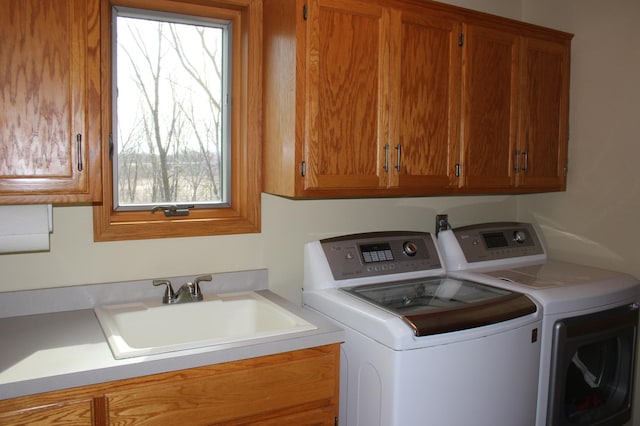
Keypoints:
(498, 240)
(380, 253)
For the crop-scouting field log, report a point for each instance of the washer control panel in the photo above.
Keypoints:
(380, 253)
(499, 240)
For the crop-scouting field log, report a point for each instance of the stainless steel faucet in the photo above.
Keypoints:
(188, 292)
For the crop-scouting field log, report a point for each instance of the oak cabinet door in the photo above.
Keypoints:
(490, 61)
(346, 94)
(48, 99)
(425, 103)
(544, 110)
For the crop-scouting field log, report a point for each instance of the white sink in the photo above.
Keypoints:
(150, 327)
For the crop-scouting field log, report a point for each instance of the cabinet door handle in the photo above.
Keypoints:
(516, 167)
(399, 149)
(525, 161)
(386, 158)
(79, 147)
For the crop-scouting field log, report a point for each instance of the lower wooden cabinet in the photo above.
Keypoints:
(293, 388)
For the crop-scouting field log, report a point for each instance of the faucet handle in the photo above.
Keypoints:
(197, 294)
(169, 295)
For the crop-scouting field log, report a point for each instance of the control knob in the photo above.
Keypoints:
(410, 248)
(519, 237)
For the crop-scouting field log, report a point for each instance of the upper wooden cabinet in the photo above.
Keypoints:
(350, 108)
(50, 96)
(515, 113)
(410, 98)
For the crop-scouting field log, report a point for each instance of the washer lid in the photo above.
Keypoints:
(443, 304)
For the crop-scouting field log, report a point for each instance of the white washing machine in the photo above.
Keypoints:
(590, 319)
(422, 348)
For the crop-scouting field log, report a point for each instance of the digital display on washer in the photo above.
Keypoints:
(380, 252)
(495, 240)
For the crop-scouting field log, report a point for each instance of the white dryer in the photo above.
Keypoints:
(590, 319)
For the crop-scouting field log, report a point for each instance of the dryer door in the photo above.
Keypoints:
(592, 368)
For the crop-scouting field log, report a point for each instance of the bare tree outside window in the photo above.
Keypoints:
(171, 127)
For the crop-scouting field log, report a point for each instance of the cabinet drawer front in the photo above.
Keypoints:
(77, 413)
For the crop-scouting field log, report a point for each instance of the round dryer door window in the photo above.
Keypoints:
(592, 368)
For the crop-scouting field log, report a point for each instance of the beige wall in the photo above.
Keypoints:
(75, 259)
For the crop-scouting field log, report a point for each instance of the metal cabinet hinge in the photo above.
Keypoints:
(303, 169)
(305, 12)
(458, 170)
(460, 39)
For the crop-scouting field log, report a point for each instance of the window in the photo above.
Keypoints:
(170, 130)
(183, 157)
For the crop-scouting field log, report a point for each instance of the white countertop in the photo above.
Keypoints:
(45, 351)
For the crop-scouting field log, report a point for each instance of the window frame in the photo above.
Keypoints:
(243, 214)
(226, 41)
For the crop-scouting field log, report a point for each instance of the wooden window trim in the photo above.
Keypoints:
(243, 216)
